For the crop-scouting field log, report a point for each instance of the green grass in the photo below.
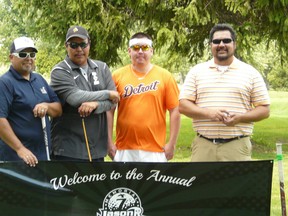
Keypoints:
(274, 129)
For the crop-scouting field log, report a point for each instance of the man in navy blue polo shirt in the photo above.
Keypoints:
(25, 98)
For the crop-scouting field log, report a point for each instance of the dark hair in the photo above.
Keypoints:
(222, 27)
(141, 35)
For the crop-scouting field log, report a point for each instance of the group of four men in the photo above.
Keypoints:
(223, 96)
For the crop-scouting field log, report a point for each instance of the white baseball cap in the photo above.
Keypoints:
(22, 43)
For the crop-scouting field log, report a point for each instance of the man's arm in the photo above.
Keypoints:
(111, 146)
(110, 85)
(174, 131)
(9, 137)
(90, 96)
(64, 85)
(191, 110)
(53, 109)
(257, 114)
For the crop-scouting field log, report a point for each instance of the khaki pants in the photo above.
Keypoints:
(236, 150)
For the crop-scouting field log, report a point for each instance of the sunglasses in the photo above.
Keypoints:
(75, 45)
(24, 55)
(142, 47)
(225, 41)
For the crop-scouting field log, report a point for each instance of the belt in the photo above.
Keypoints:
(220, 140)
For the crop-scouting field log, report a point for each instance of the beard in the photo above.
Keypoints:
(26, 66)
(223, 57)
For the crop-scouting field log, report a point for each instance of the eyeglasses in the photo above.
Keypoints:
(142, 47)
(24, 55)
(75, 45)
(225, 41)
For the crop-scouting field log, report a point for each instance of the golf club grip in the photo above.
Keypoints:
(43, 121)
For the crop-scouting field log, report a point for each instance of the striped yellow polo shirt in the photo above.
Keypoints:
(237, 88)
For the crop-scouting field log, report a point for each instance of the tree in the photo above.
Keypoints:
(10, 26)
(181, 26)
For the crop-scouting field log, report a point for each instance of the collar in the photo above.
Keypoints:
(71, 65)
(18, 76)
(233, 65)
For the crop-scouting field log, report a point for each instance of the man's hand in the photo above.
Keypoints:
(87, 108)
(232, 119)
(169, 151)
(112, 150)
(114, 96)
(27, 156)
(218, 115)
(40, 110)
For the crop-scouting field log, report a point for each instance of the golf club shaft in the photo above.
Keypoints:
(86, 140)
(43, 120)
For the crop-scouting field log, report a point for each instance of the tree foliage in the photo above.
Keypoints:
(181, 27)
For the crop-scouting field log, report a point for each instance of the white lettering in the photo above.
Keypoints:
(61, 182)
(140, 89)
(170, 179)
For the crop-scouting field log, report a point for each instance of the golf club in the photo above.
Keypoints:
(86, 140)
(45, 137)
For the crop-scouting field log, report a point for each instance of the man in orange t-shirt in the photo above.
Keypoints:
(146, 92)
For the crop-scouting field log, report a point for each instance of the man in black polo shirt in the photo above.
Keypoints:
(87, 91)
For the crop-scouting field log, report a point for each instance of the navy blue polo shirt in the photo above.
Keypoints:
(18, 97)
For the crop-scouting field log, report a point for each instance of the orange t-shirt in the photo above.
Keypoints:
(141, 116)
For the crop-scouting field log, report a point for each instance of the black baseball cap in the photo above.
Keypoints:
(77, 31)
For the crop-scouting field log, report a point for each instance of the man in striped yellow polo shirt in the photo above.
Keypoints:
(224, 96)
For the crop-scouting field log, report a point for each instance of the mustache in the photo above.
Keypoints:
(221, 49)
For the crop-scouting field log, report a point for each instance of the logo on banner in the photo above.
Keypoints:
(121, 202)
